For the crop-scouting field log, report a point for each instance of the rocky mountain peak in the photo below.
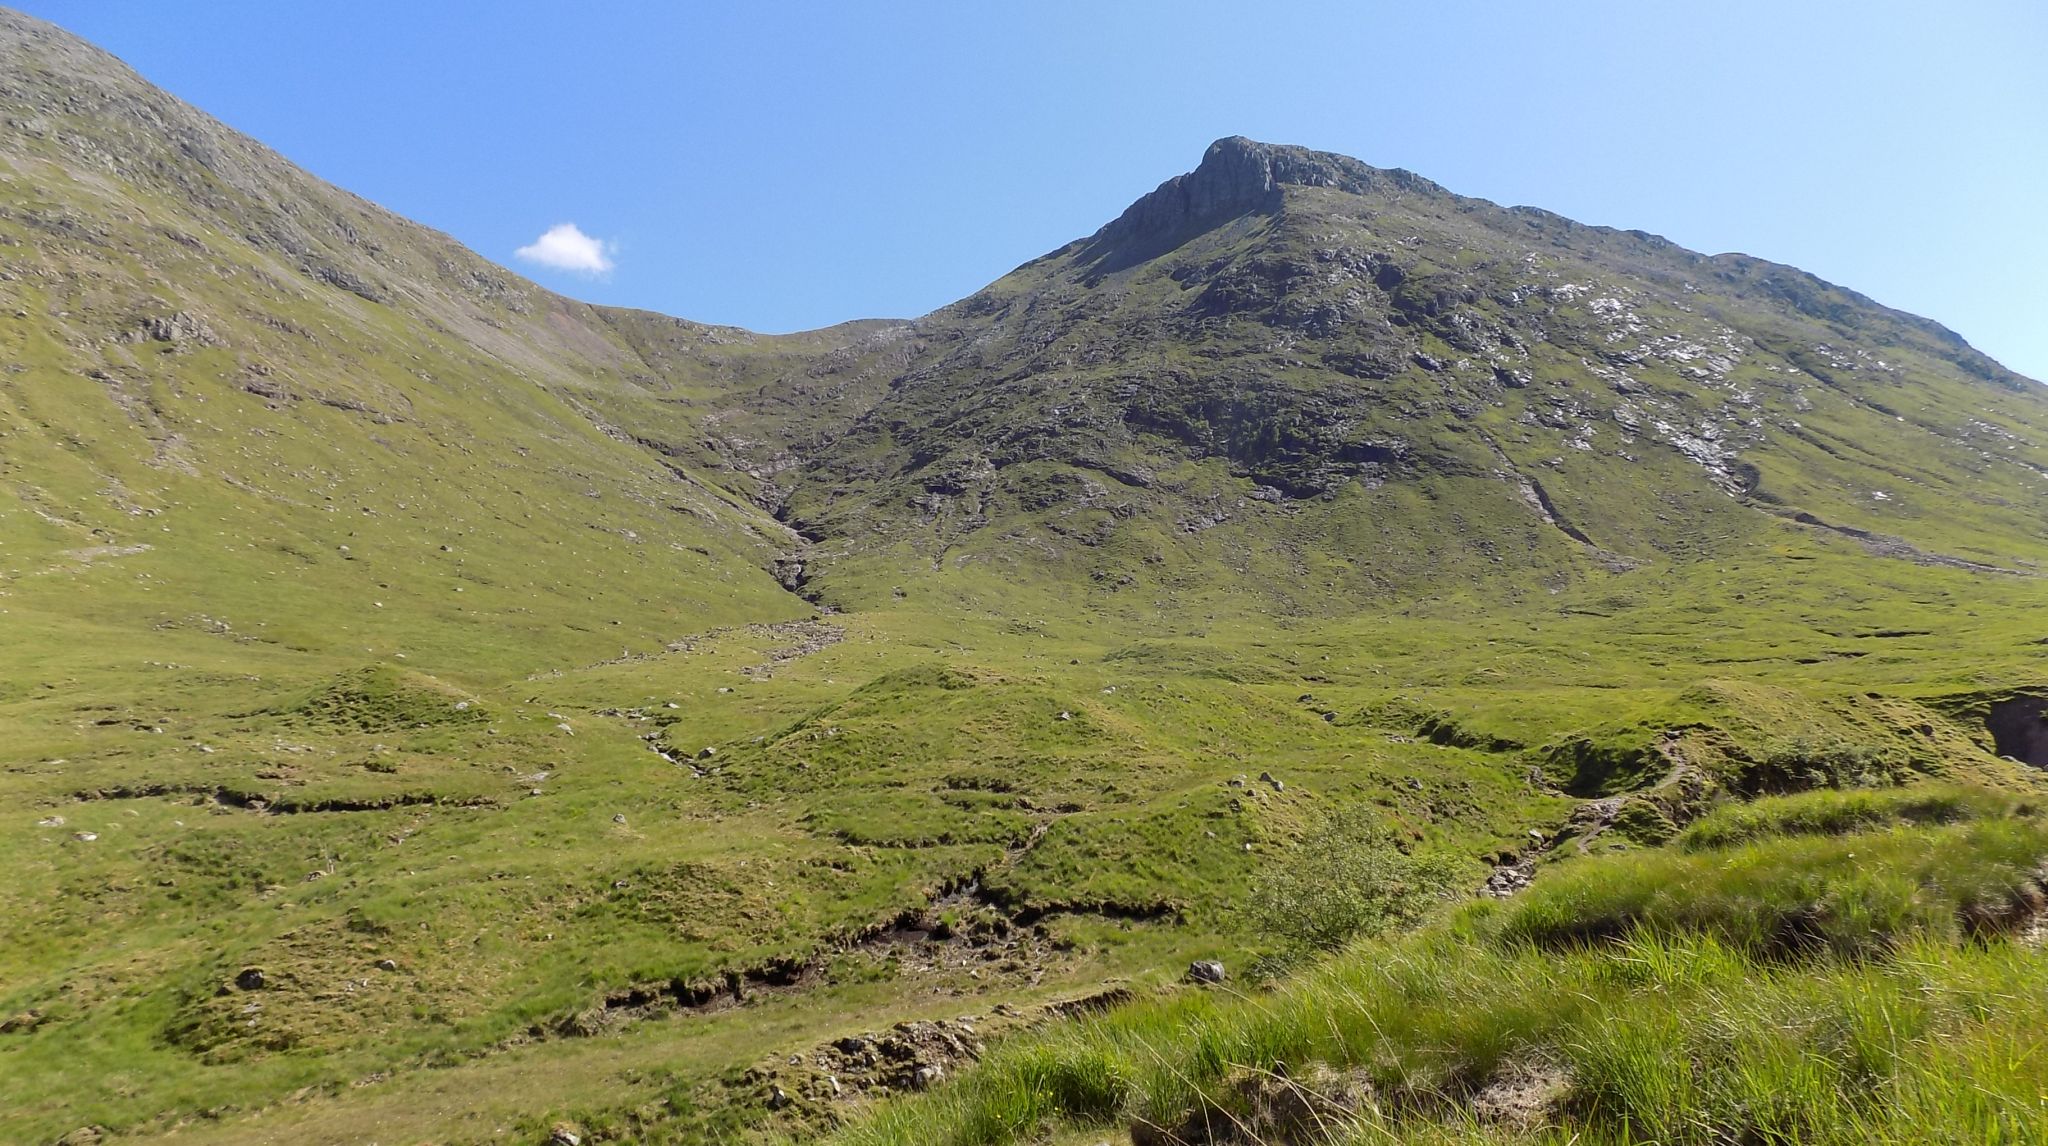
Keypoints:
(1237, 176)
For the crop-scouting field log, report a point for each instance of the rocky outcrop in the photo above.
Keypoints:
(1236, 176)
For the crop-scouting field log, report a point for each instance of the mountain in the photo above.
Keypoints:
(1287, 346)
(435, 707)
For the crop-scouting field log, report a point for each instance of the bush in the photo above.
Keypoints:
(1346, 880)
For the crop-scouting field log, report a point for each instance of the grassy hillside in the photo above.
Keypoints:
(435, 709)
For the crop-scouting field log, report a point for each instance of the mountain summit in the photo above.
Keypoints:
(1236, 176)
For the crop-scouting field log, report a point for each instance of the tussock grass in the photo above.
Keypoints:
(1853, 895)
(1658, 988)
(1834, 812)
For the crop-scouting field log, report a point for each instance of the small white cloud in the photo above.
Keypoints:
(564, 247)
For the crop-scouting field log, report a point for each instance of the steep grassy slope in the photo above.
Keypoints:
(431, 707)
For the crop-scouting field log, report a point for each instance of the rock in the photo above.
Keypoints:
(50, 822)
(84, 1136)
(565, 1134)
(21, 1023)
(251, 979)
(1205, 971)
(178, 328)
(85, 837)
(1508, 879)
(909, 1056)
(1522, 1096)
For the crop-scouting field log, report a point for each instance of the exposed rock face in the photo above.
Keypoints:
(2019, 729)
(1236, 176)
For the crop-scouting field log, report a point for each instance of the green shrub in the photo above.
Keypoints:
(1348, 879)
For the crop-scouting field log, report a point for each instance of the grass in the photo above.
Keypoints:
(355, 635)
(1836, 812)
(1668, 1010)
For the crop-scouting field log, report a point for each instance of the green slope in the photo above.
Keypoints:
(567, 709)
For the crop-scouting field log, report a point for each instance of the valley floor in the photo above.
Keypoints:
(264, 894)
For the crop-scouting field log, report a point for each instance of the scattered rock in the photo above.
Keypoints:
(1205, 971)
(1508, 879)
(177, 329)
(908, 1056)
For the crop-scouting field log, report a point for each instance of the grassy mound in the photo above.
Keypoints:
(1876, 985)
(1833, 812)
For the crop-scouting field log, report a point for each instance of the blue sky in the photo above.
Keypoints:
(782, 165)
